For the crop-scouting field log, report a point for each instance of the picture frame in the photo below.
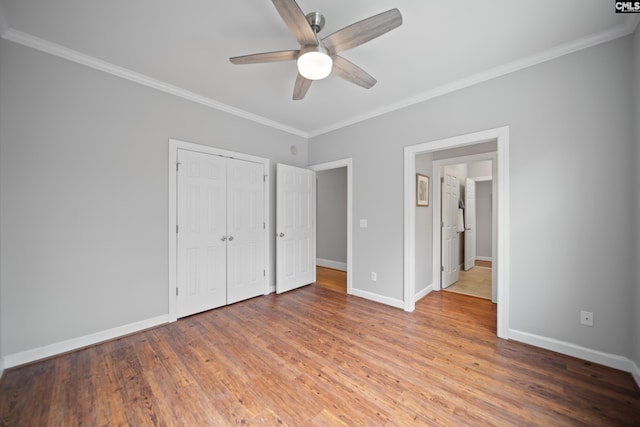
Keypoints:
(422, 190)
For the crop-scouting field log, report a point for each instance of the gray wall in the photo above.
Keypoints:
(483, 218)
(567, 116)
(332, 215)
(84, 194)
(480, 169)
(424, 228)
(636, 306)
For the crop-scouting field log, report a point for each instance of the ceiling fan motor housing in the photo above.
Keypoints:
(316, 20)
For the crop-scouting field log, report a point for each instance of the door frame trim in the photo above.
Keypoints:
(174, 146)
(348, 163)
(501, 135)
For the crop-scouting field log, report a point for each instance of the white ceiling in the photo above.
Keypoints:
(184, 46)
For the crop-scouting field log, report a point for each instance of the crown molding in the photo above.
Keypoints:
(98, 64)
(107, 67)
(511, 67)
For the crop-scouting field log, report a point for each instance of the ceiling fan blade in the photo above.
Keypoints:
(297, 23)
(301, 87)
(258, 58)
(362, 31)
(351, 72)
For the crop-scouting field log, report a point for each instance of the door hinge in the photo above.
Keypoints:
(442, 224)
(264, 178)
(176, 291)
(264, 273)
(264, 225)
(177, 166)
(176, 228)
(442, 268)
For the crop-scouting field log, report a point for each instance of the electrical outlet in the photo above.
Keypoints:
(374, 276)
(586, 318)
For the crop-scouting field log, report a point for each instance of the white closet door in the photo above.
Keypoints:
(295, 228)
(201, 245)
(245, 230)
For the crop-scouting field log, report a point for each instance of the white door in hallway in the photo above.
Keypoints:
(295, 228)
(450, 239)
(469, 224)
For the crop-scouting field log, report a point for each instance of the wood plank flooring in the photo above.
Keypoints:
(331, 279)
(482, 263)
(314, 356)
(475, 282)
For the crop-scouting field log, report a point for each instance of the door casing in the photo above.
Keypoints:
(502, 247)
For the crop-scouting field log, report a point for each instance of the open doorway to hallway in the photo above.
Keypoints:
(417, 286)
(467, 217)
(333, 241)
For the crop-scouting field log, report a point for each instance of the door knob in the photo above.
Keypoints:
(230, 238)
(223, 238)
(281, 234)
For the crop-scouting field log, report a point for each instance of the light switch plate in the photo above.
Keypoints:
(363, 223)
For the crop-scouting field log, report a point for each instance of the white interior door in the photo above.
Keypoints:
(450, 238)
(295, 228)
(245, 230)
(201, 247)
(469, 224)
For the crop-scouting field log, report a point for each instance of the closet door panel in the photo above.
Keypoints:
(245, 230)
(201, 250)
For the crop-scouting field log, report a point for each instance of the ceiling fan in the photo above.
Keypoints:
(317, 58)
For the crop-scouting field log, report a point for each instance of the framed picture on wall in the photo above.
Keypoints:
(422, 190)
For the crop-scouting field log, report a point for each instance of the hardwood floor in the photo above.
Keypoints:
(314, 356)
(475, 282)
(331, 279)
(482, 263)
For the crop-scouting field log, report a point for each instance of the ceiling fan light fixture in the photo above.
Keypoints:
(316, 57)
(314, 63)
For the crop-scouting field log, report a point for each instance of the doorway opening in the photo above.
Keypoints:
(463, 145)
(333, 243)
(468, 219)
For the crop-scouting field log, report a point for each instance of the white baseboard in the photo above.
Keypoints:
(611, 360)
(336, 265)
(423, 293)
(80, 342)
(398, 303)
(484, 258)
